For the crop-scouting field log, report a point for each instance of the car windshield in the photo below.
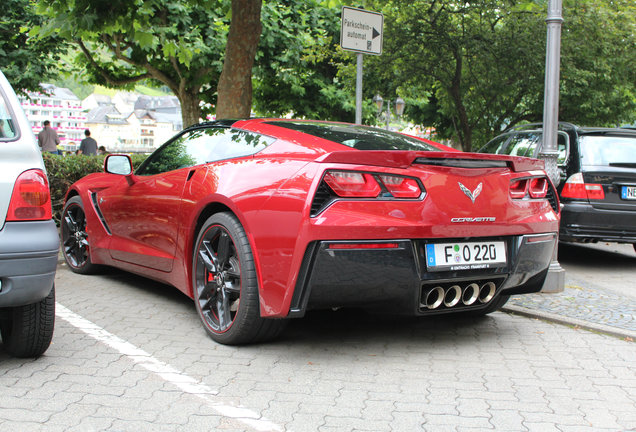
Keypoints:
(602, 150)
(358, 137)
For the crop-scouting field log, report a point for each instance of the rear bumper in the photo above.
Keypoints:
(581, 222)
(396, 280)
(28, 259)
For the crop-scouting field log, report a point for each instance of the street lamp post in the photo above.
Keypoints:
(399, 107)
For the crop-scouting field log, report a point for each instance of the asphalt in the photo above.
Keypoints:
(583, 306)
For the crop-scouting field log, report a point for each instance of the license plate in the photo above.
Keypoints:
(628, 192)
(465, 256)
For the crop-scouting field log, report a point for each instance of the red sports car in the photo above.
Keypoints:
(260, 220)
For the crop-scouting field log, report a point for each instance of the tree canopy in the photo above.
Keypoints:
(481, 64)
(179, 43)
(26, 61)
(470, 69)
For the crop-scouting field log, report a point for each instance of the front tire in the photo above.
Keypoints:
(75, 244)
(225, 286)
(29, 329)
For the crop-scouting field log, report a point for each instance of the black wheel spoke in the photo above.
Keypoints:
(70, 222)
(208, 258)
(206, 292)
(223, 252)
(223, 309)
(233, 274)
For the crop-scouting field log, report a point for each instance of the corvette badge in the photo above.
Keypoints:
(472, 195)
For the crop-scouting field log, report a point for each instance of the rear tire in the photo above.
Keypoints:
(225, 287)
(29, 329)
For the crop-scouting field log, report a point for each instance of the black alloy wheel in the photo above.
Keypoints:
(225, 284)
(219, 279)
(75, 245)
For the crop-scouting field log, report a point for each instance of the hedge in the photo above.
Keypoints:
(63, 171)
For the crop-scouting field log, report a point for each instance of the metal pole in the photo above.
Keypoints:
(388, 113)
(359, 89)
(549, 150)
(555, 280)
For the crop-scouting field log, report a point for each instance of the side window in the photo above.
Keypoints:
(563, 147)
(496, 145)
(171, 156)
(7, 126)
(207, 144)
(523, 144)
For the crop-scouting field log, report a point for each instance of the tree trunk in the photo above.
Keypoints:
(190, 109)
(465, 131)
(235, 83)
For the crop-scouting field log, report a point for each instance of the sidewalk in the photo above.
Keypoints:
(590, 307)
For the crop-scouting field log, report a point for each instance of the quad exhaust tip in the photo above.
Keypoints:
(455, 295)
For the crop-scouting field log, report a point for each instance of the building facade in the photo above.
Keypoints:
(62, 108)
(127, 122)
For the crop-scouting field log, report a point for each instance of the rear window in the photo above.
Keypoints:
(7, 125)
(525, 143)
(358, 137)
(607, 150)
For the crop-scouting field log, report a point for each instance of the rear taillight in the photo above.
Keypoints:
(401, 187)
(518, 188)
(534, 187)
(31, 199)
(576, 188)
(538, 187)
(354, 184)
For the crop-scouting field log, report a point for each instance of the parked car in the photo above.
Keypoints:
(598, 178)
(29, 241)
(261, 220)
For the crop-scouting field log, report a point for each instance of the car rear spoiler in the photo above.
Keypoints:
(405, 159)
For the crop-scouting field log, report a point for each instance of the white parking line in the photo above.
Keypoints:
(166, 372)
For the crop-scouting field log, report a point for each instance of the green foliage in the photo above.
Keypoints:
(298, 60)
(598, 54)
(63, 171)
(26, 61)
(480, 64)
(177, 43)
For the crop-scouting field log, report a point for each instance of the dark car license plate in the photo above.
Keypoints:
(628, 192)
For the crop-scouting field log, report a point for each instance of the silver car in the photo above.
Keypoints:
(29, 239)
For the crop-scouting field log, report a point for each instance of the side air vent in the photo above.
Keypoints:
(99, 212)
(323, 197)
(551, 196)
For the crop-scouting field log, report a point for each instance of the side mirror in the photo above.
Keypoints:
(118, 164)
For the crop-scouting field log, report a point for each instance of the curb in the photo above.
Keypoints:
(560, 319)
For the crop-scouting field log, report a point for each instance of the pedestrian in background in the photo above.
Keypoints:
(48, 139)
(88, 146)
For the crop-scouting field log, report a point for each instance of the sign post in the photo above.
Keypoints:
(361, 31)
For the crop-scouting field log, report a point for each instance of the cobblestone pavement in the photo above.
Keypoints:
(592, 305)
(587, 301)
(130, 355)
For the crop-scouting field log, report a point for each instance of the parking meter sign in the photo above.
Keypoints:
(361, 31)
